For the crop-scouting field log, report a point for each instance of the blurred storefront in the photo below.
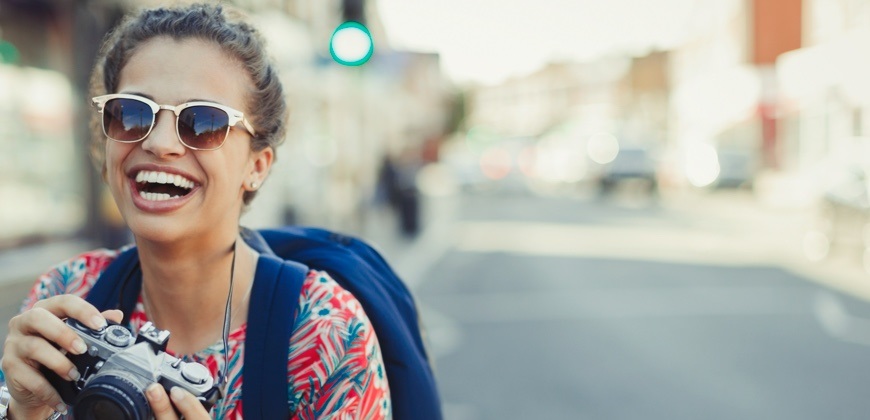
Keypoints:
(53, 192)
(41, 184)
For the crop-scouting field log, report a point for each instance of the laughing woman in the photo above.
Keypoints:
(189, 112)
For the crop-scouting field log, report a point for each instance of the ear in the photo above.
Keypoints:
(261, 162)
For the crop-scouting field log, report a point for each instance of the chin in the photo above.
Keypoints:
(155, 232)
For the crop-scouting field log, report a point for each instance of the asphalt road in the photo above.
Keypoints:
(555, 308)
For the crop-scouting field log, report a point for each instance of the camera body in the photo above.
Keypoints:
(117, 367)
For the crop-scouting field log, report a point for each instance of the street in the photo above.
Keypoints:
(576, 308)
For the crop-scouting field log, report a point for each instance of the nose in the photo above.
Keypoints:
(163, 141)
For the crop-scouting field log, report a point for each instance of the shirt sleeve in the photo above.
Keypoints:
(335, 360)
(74, 276)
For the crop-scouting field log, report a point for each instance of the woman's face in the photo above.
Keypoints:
(173, 72)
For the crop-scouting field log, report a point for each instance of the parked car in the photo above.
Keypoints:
(636, 164)
(736, 168)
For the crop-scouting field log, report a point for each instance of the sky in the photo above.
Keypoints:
(487, 41)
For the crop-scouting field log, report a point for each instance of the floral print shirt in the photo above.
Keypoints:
(334, 368)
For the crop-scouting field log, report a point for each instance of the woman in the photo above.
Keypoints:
(193, 111)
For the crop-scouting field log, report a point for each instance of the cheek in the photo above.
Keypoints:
(115, 155)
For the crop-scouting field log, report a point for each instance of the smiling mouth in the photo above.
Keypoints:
(161, 186)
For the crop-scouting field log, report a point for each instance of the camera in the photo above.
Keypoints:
(116, 369)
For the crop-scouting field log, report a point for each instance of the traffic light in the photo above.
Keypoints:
(351, 43)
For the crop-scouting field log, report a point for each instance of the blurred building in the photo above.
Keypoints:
(559, 93)
(725, 89)
(825, 92)
(343, 119)
(647, 93)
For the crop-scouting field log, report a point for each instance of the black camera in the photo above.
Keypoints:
(117, 368)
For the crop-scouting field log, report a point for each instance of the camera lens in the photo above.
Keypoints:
(107, 409)
(115, 396)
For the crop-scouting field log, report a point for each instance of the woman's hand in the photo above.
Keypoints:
(31, 343)
(189, 407)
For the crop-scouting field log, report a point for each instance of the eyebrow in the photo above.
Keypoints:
(145, 95)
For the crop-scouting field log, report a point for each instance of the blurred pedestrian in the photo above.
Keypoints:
(397, 185)
(181, 179)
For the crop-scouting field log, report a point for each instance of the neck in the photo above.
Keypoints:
(185, 289)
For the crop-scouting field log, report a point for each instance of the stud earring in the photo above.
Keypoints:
(254, 185)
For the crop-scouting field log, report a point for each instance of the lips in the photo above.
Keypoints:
(157, 190)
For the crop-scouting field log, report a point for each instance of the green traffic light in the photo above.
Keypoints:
(8, 53)
(351, 44)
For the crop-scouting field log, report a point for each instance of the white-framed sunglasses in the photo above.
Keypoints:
(199, 125)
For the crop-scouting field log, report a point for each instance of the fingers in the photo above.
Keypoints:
(70, 306)
(39, 351)
(38, 322)
(189, 407)
(30, 388)
(114, 315)
(30, 344)
(44, 319)
(159, 401)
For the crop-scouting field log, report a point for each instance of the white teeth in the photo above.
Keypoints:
(154, 196)
(164, 178)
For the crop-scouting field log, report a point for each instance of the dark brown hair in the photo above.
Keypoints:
(267, 110)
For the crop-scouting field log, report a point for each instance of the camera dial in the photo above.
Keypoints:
(118, 336)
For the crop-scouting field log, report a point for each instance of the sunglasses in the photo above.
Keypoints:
(199, 125)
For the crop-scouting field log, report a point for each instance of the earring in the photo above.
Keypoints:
(254, 185)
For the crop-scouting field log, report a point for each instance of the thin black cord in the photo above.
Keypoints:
(227, 316)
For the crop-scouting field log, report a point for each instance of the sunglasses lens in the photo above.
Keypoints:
(127, 119)
(203, 127)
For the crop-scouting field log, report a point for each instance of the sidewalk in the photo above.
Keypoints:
(411, 257)
(784, 218)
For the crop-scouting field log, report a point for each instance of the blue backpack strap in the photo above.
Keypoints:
(388, 303)
(271, 316)
(119, 285)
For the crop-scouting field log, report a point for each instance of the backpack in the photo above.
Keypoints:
(286, 256)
